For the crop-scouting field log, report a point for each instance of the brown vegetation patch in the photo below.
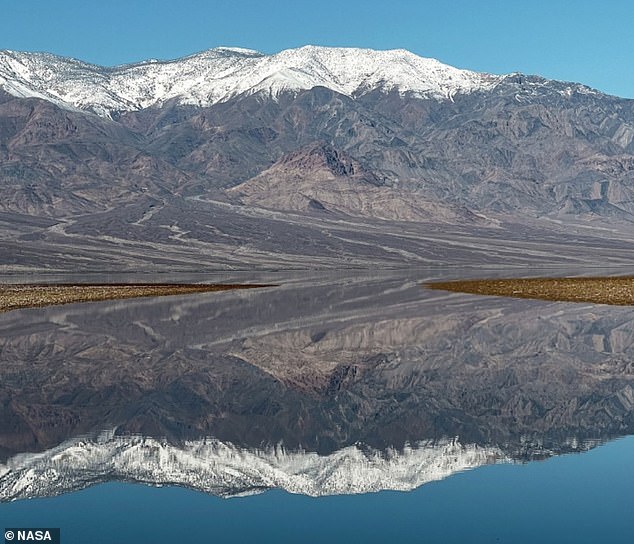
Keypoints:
(13, 297)
(607, 290)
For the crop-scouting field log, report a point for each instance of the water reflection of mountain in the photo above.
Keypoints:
(226, 470)
(316, 366)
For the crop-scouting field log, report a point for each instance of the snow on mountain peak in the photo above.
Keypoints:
(218, 74)
(239, 51)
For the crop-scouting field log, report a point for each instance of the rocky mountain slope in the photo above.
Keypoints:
(168, 157)
(339, 183)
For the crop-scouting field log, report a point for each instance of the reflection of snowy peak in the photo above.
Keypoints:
(226, 470)
(218, 74)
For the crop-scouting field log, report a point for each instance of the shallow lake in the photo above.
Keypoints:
(331, 407)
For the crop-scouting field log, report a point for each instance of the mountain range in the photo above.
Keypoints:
(312, 157)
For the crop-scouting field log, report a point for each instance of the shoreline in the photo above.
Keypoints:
(618, 291)
(19, 296)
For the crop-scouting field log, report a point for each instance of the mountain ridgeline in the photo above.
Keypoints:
(313, 156)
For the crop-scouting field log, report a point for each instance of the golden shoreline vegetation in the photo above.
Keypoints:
(16, 296)
(599, 290)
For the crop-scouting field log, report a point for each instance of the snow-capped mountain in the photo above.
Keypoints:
(219, 74)
(435, 145)
(226, 470)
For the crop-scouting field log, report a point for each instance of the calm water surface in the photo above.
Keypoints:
(332, 408)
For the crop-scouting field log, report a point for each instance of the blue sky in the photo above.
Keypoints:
(587, 41)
